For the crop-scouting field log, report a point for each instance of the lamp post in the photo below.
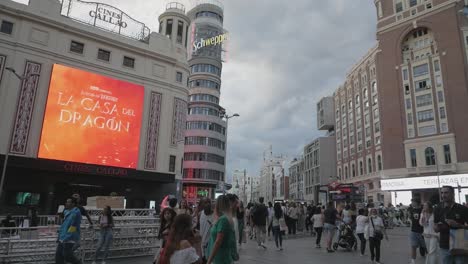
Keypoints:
(227, 117)
(22, 78)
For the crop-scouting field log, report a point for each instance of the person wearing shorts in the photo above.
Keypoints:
(330, 217)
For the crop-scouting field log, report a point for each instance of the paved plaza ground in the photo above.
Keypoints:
(302, 250)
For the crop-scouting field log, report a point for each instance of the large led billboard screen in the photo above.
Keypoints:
(90, 118)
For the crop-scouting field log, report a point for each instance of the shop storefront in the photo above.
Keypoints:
(426, 188)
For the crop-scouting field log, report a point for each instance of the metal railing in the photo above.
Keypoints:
(175, 5)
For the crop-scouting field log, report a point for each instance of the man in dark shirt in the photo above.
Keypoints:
(330, 215)
(260, 216)
(449, 215)
(82, 209)
(416, 234)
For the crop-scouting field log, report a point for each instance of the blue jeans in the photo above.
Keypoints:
(446, 258)
(64, 254)
(105, 241)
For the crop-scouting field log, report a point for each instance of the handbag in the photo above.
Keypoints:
(377, 234)
(458, 242)
(282, 224)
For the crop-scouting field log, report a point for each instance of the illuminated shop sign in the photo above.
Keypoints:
(105, 17)
(430, 182)
(213, 41)
(93, 119)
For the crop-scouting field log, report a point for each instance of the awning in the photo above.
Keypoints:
(426, 182)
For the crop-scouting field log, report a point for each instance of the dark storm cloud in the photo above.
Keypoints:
(283, 57)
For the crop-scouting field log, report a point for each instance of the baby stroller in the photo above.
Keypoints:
(346, 238)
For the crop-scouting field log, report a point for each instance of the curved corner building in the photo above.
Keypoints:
(205, 136)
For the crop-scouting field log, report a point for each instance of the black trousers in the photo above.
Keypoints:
(65, 254)
(363, 242)
(318, 230)
(293, 226)
(374, 246)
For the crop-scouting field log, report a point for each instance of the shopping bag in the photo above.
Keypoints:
(459, 242)
(283, 226)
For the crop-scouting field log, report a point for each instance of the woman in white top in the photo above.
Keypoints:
(376, 234)
(361, 222)
(317, 220)
(432, 238)
(179, 247)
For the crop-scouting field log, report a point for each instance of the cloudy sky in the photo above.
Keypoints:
(283, 57)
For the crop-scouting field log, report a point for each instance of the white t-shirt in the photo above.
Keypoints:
(184, 256)
(206, 222)
(347, 216)
(318, 220)
(378, 224)
(361, 222)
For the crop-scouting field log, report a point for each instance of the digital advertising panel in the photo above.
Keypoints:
(90, 118)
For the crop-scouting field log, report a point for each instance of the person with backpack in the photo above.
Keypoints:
(260, 220)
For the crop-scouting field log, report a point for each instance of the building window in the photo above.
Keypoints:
(408, 103)
(369, 165)
(422, 85)
(77, 47)
(169, 28)
(368, 132)
(425, 116)
(179, 77)
(443, 128)
(365, 94)
(377, 140)
(361, 169)
(368, 143)
(421, 70)
(353, 170)
(427, 130)
(172, 161)
(366, 119)
(339, 173)
(430, 156)
(413, 3)
(414, 162)
(407, 90)
(377, 127)
(442, 113)
(447, 156)
(410, 133)
(438, 80)
(423, 100)
(399, 7)
(357, 100)
(129, 62)
(440, 96)
(346, 173)
(180, 31)
(6, 27)
(374, 100)
(436, 66)
(409, 116)
(103, 55)
(405, 74)
(379, 163)
(374, 87)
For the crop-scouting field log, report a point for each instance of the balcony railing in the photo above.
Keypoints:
(175, 5)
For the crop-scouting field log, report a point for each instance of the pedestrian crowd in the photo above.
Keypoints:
(214, 231)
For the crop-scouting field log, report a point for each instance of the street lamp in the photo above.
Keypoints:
(227, 117)
(22, 78)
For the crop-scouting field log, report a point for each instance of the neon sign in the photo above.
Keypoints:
(213, 41)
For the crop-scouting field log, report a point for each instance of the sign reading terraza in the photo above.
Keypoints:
(108, 16)
(430, 182)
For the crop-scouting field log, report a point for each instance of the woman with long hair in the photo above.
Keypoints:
(278, 216)
(222, 246)
(317, 220)
(167, 218)
(432, 238)
(376, 234)
(106, 223)
(361, 222)
(179, 249)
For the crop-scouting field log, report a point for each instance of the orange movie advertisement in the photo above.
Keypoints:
(90, 118)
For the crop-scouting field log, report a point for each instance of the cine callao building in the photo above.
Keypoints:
(91, 102)
(205, 136)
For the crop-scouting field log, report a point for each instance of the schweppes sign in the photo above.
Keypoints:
(213, 41)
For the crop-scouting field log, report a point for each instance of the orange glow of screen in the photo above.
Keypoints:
(90, 118)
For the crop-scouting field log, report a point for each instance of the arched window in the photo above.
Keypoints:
(346, 173)
(365, 94)
(339, 173)
(369, 165)
(353, 170)
(358, 100)
(430, 156)
(379, 163)
(361, 168)
(374, 87)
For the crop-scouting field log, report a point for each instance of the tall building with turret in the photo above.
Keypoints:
(205, 136)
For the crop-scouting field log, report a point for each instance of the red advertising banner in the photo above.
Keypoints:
(90, 118)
